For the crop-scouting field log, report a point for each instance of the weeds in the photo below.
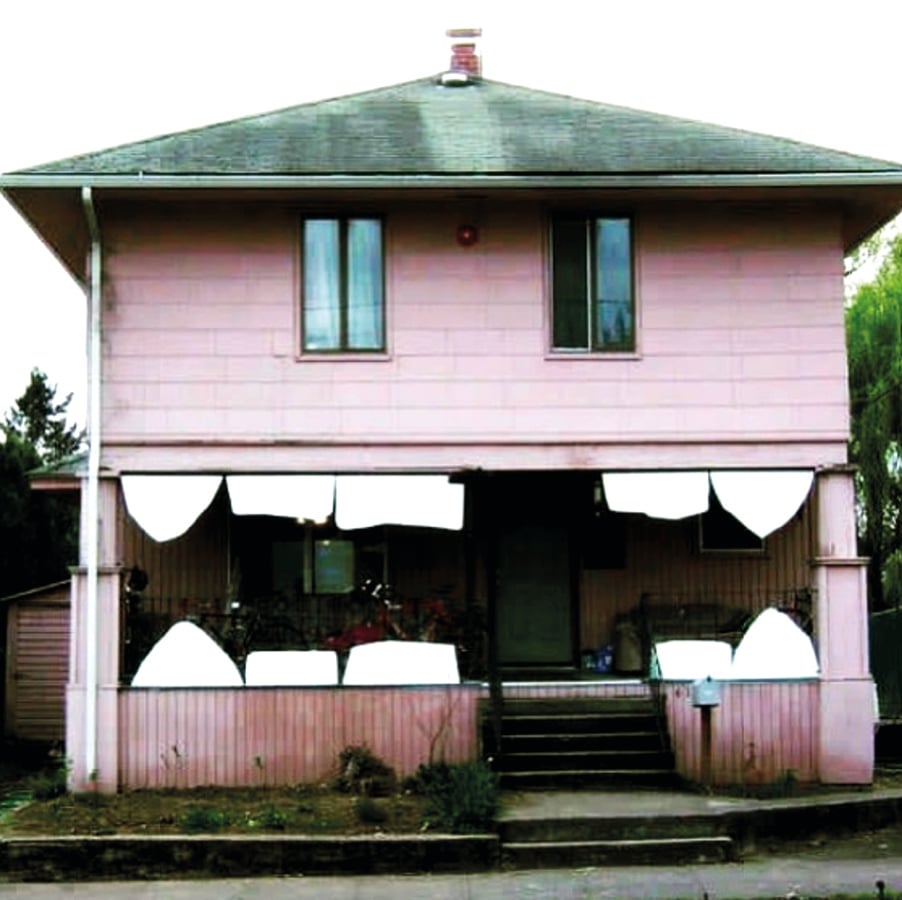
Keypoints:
(461, 798)
(203, 819)
(362, 772)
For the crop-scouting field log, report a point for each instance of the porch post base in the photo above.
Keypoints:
(846, 739)
(105, 779)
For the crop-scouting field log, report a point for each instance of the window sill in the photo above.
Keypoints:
(327, 356)
(556, 355)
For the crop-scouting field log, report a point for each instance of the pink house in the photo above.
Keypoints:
(566, 376)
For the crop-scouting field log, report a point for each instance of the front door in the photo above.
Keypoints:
(534, 601)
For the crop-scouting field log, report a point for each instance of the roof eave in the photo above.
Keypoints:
(892, 177)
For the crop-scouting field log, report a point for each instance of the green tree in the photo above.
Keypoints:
(874, 342)
(39, 421)
(38, 531)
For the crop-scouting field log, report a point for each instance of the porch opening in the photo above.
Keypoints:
(569, 588)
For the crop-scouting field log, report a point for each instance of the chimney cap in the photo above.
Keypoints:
(466, 66)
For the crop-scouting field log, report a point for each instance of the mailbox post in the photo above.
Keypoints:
(705, 695)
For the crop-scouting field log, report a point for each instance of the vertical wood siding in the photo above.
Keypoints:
(663, 561)
(37, 668)
(761, 731)
(278, 736)
(188, 574)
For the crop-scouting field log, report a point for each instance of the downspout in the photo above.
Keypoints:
(93, 498)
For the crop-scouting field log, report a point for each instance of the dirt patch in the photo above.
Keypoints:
(301, 810)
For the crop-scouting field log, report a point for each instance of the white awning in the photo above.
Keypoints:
(362, 501)
(762, 500)
(304, 497)
(661, 495)
(166, 506)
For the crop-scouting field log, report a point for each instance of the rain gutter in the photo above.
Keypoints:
(691, 180)
(92, 520)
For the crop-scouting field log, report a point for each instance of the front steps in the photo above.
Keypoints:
(594, 744)
(570, 743)
(595, 841)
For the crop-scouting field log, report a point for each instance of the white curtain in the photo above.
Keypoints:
(362, 501)
(762, 500)
(661, 495)
(321, 285)
(166, 506)
(364, 284)
(306, 497)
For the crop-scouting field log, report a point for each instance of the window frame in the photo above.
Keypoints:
(343, 347)
(594, 346)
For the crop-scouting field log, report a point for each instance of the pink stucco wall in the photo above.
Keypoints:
(740, 334)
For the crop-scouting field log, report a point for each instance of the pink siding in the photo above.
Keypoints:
(269, 736)
(740, 337)
(761, 731)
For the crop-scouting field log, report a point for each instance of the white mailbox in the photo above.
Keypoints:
(706, 692)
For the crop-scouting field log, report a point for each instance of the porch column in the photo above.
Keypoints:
(846, 738)
(106, 732)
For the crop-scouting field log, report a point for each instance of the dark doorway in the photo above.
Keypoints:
(535, 589)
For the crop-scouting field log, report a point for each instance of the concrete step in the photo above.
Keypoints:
(577, 723)
(578, 705)
(578, 829)
(663, 852)
(588, 760)
(577, 779)
(591, 740)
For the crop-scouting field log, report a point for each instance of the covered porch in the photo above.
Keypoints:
(542, 589)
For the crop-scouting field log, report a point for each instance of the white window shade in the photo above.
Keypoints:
(362, 501)
(305, 497)
(774, 647)
(661, 495)
(401, 662)
(166, 506)
(762, 500)
(186, 656)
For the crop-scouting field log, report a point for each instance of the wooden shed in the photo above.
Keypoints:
(37, 663)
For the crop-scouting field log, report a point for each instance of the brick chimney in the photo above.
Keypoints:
(464, 59)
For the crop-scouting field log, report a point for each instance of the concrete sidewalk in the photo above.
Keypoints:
(775, 878)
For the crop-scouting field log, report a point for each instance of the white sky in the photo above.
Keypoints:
(79, 75)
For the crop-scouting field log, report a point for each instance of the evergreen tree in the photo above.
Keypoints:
(38, 530)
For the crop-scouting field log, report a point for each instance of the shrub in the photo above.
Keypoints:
(462, 798)
(371, 812)
(362, 772)
(197, 819)
(47, 785)
(274, 819)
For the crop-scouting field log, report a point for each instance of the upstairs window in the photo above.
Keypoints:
(592, 283)
(342, 305)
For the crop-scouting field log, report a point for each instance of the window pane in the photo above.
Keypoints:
(322, 328)
(365, 284)
(613, 284)
(569, 284)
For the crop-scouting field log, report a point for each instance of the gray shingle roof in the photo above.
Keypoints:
(488, 128)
